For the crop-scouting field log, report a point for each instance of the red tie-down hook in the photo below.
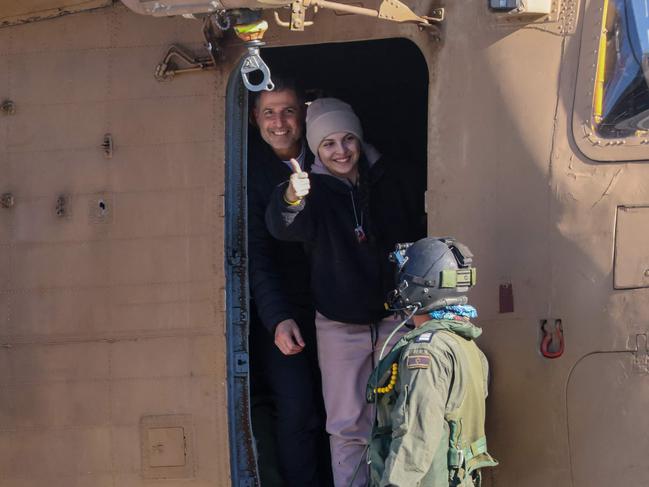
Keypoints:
(552, 343)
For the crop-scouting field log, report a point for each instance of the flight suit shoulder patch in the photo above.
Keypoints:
(424, 337)
(418, 361)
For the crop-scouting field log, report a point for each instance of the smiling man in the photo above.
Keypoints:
(282, 331)
(280, 118)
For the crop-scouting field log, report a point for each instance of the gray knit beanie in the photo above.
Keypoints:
(326, 116)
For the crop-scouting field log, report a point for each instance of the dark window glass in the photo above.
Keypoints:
(621, 99)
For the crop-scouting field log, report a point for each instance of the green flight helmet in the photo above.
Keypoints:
(431, 273)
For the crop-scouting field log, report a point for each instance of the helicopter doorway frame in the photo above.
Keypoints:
(243, 463)
(243, 451)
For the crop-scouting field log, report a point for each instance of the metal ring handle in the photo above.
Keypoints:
(253, 62)
(552, 338)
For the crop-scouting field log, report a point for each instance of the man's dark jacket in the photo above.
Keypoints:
(279, 271)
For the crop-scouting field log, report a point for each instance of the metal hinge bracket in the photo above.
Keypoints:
(392, 10)
(179, 61)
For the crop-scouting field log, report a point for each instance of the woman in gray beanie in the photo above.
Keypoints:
(350, 212)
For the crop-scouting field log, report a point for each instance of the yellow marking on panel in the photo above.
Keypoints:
(600, 76)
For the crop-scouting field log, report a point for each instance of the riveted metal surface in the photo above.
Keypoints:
(14, 12)
(561, 20)
(111, 312)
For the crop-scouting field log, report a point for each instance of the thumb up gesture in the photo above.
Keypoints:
(298, 184)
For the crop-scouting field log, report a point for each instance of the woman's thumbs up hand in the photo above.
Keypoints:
(298, 185)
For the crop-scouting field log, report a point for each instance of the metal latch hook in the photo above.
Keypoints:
(251, 63)
(552, 339)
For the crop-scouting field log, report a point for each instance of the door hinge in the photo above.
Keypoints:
(641, 354)
(241, 363)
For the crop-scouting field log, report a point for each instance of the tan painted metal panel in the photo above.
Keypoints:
(55, 78)
(92, 30)
(492, 112)
(582, 202)
(108, 318)
(25, 132)
(607, 401)
(14, 12)
(631, 249)
(160, 32)
(22, 11)
(57, 405)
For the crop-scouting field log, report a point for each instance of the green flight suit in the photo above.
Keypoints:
(429, 428)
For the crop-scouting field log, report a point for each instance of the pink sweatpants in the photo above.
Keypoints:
(347, 354)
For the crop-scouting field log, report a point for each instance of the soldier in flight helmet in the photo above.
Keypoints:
(430, 389)
(432, 273)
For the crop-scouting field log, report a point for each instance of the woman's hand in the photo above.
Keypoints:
(299, 184)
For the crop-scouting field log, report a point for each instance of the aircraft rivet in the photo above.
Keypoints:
(7, 200)
(61, 208)
(8, 107)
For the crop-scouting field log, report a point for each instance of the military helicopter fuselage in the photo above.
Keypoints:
(123, 271)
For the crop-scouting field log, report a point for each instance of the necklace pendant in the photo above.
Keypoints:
(360, 234)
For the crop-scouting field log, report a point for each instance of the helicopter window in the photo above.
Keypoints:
(621, 92)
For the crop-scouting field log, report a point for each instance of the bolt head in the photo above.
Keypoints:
(7, 200)
(8, 107)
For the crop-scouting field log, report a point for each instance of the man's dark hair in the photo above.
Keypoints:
(281, 83)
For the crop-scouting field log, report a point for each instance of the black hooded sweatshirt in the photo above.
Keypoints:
(350, 279)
